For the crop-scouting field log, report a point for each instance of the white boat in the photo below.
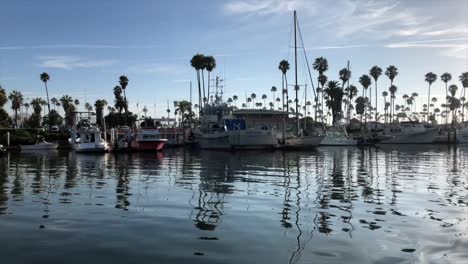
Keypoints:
(338, 137)
(462, 133)
(262, 137)
(302, 142)
(88, 139)
(409, 133)
(43, 145)
(212, 133)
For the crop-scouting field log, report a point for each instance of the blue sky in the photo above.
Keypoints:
(86, 45)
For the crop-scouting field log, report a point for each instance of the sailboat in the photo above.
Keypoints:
(300, 140)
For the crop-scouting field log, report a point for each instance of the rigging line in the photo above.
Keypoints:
(306, 60)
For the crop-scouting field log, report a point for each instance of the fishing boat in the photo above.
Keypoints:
(409, 132)
(212, 134)
(147, 139)
(42, 145)
(462, 133)
(337, 136)
(87, 138)
(260, 137)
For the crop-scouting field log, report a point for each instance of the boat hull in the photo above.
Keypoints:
(425, 137)
(338, 142)
(302, 143)
(49, 146)
(91, 147)
(148, 145)
(245, 139)
(213, 142)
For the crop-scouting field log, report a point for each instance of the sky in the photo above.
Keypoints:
(86, 45)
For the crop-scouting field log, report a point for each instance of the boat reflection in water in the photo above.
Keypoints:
(337, 205)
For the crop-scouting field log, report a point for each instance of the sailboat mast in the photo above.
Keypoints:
(296, 87)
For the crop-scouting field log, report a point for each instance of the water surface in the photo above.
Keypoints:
(332, 205)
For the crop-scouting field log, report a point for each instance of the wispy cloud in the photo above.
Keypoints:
(447, 47)
(338, 47)
(153, 68)
(72, 62)
(261, 7)
(74, 46)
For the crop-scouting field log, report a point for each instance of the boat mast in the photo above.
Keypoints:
(296, 87)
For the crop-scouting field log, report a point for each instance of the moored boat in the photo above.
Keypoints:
(147, 139)
(43, 145)
(88, 139)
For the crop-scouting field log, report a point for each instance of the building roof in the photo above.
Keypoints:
(258, 112)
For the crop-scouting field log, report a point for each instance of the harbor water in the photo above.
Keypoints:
(404, 204)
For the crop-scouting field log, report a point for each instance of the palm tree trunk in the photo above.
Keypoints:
(287, 94)
(126, 107)
(446, 105)
(208, 86)
(376, 95)
(200, 106)
(203, 82)
(47, 93)
(428, 103)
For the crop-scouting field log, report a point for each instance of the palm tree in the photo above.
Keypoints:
(391, 73)
(234, 98)
(244, 105)
(88, 107)
(210, 64)
(16, 99)
(123, 81)
(393, 89)
(464, 79)
(414, 95)
(430, 78)
(284, 67)
(453, 91)
(253, 96)
(375, 72)
(249, 100)
(345, 75)
(335, 94)
(446, 77)
(45, 78)
(273, 90)
(197, 62)
(99, 105)
(27, 105)
(37, 104)
(264, 97)
(3, 97)
(229, 101)
(385, 94)
(67, 104)
(365, 81)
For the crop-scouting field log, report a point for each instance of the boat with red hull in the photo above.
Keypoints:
(147, 139)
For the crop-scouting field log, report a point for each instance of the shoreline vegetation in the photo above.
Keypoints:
(334, 102)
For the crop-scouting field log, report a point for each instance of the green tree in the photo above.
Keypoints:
(16, 99)
(335, 94)
(375, 72)
(99, 106)
(210, 64)
(45, 78)
(197, 62)
(3, 97)
(284, 68)
(430, 78)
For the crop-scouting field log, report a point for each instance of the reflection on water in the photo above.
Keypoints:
(372, 205)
